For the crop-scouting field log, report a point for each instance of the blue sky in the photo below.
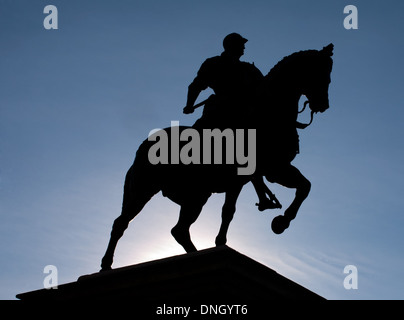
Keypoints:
(76, 102)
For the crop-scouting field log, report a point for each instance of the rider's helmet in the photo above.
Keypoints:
(233, 40)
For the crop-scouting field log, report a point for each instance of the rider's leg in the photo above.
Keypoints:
(262, 191)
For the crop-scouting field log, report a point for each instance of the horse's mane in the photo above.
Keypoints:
(290, 63)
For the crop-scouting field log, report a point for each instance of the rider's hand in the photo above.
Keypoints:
(188, 109)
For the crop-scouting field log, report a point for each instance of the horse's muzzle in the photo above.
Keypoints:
(319, 107)
(324, 109)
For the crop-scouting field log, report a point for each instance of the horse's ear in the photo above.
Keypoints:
(328, 49)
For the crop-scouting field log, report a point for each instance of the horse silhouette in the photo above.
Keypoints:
(273, 114)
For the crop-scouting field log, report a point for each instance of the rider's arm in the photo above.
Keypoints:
(193, 93)
(199, 84)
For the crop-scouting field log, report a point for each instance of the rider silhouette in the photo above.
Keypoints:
(234, 83)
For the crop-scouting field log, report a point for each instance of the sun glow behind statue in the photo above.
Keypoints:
(148, 237)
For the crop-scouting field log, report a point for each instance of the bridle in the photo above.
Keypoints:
(300, 125)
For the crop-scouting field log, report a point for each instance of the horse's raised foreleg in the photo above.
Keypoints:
(290, 177)
(228, 210)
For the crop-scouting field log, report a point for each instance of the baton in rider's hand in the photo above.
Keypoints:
(190, 109)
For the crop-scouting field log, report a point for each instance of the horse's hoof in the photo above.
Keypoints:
(220, 241)
(106, 264)
(279, 224)
(103, 269)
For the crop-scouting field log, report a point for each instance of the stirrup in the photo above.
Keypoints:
(268, 204)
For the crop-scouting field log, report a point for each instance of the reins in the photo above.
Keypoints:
(300, 125)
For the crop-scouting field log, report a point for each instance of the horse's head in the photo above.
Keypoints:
(317, 77)
(302, 73)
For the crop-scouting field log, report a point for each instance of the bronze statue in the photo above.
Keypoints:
(272, 112)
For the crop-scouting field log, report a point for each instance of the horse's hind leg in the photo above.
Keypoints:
(134, 200)
(228, 210)
(188, 214)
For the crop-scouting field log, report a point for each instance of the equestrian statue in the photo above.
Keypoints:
(243, 99)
